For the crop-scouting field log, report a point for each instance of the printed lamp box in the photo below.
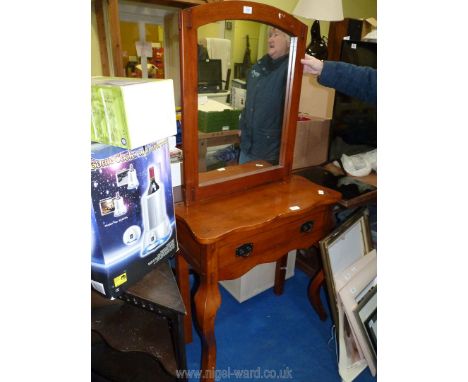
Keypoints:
(130, 113)
(133, 223)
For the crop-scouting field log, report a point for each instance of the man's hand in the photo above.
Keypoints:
(312, 65)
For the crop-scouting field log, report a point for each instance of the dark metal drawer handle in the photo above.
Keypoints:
(307, 226)
(244, 250)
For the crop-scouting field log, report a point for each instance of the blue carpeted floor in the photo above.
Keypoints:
(273, 335)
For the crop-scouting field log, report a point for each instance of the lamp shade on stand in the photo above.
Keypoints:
(326, 10)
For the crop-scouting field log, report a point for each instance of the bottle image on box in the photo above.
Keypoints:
(132, 179)
(156, 225)
(119, 205)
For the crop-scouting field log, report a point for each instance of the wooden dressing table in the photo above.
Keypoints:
(244, 215)
(224, 238)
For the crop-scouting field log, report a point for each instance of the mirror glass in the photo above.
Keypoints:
(242, 71)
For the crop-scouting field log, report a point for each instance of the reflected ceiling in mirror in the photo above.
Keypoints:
(242, 72)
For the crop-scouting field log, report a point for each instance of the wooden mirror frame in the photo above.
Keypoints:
(189, 20)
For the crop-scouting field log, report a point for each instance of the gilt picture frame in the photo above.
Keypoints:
(343, 247)
(357, 298)
(366, 316)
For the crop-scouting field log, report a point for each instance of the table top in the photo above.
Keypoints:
(328, 174)
(158, 287)
(368, 179)
(211, 220)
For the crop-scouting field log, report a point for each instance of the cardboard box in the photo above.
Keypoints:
(238, 97)
(312, 141)
(257, 280)
(132, 215)
(214, 116)
(130, 113)
(368, 25)
(316, 100)
(312, 135)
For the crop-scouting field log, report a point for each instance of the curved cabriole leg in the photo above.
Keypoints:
(207, 302)
(314, 294)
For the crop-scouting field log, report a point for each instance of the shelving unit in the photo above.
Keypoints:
(111, 8)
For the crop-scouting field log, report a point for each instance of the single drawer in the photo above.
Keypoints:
(244, 250)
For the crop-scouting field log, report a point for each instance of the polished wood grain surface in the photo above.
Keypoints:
(233, 172)
(212, 220)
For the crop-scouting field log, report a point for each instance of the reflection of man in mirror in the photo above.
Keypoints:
(262, 118)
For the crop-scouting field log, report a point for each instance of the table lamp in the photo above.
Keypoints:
(326, 10)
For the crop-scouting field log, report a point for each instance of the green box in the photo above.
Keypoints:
(131, 113)
(212, 121)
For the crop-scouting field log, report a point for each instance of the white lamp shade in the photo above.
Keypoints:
(326, 10)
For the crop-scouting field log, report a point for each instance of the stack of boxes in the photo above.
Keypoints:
(132, 212)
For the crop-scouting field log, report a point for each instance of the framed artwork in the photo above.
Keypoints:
(342, 248)
(366, 315)
(357, 300)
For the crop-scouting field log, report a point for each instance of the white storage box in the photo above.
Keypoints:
(131, 113)
(257, 280)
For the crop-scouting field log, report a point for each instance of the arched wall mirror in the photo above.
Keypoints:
(220, 44)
